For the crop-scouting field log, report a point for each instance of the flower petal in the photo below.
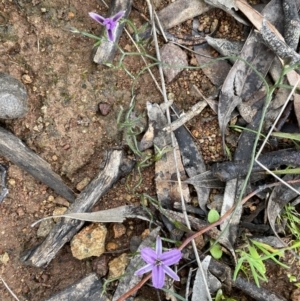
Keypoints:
(158, 276)
(145, 269)
(118, 16)
(110, 35)
(97, 17)
(158, 246)
(170, 272)
(149, 255)
(171, 257)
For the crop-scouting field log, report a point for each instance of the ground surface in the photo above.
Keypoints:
(65, 128)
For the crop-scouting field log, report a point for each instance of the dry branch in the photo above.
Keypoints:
(13, 149)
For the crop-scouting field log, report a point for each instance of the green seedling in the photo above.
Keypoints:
(220, 297)
(293, 279)
(215, 248)
(130, 126)
(291, 136)
(252, 258)
(292, 218)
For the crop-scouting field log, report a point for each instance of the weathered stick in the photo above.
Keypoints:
(63, 231)
(230, 170)
(86, 289)
(13, 149)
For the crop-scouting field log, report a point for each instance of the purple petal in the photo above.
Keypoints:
(171, 257)
(158, 276)
(97, 17)
(158, 246)
(170, 272)
(145, 269)
(149, 255)
(118, 16)
(110, 35)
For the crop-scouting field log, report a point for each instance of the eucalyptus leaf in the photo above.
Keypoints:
(116, 215)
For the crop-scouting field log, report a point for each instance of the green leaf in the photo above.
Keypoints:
(287, 135)
(213, 216)
(216, 251)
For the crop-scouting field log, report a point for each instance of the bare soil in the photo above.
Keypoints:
(65, 128)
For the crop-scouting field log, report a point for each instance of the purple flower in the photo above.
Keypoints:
(109, 23)
(159, 262)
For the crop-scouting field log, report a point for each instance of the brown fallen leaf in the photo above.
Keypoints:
(255, 17)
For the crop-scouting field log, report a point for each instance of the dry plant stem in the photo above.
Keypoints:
(8, 288)
(268, 135)
(277, 177)
(275, 122)
(135, 288)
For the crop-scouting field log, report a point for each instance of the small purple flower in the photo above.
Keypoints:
(109, 23)
(159, 262)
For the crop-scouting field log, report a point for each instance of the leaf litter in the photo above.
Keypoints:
(241, 83)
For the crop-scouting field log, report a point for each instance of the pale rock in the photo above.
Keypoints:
(13, 97)
(175, 57)
(4, 258)
(89, 242)
(117, 266)
(119, 230)
(58, 211)
(45, 227)
(82, 184)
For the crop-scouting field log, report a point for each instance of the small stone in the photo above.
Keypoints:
(13, 97)
(4, 258)
(104, 108)
(81, 185)
(193, 61)
(45, 228)
(128, 48)
(100, 265)
(295, 296)
(26, 79)
(117, 266)
(195, 133)
(145, 233)
(58, 211)
(61, 201)
(174, 56)
(119, 230)
(111, 246)
(20, 211)
(135, 242)
(12, 182)
(89, 242)
(50, 198)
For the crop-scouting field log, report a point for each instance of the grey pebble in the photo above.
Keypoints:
(13, 97)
